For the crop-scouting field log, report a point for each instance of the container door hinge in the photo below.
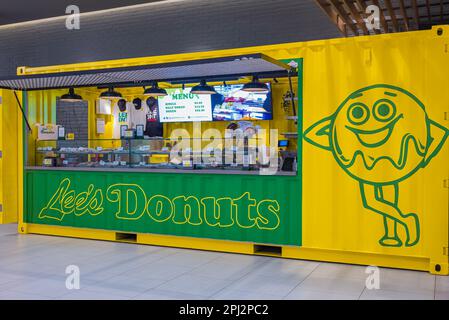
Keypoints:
(367, 56)
(445, 251)
(446, 183)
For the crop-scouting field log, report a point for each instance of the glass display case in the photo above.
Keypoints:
(82, 153)
(154, 153)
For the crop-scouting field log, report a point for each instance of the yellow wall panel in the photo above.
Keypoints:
(334, 215)
(10, 165)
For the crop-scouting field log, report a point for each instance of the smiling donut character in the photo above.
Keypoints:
(381, 135)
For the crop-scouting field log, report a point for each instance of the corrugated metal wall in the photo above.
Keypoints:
(286, 229)
(10, 143)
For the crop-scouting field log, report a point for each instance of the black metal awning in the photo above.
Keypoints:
(209, 69)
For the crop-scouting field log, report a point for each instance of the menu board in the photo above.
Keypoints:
(231, 103)
(182, 106)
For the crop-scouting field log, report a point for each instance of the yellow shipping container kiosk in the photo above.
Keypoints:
(373, 161)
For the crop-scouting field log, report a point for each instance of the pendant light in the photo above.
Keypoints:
(203, 88)
(110, 94)
(71, 96)
(255, 86)
(155, 91)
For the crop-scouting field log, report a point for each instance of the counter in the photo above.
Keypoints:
(177, 171)
(215, 204)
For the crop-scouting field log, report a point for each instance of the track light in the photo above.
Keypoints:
(255, 86)
(110, 94)
(155, 91)
(71, 96)
(203, 88)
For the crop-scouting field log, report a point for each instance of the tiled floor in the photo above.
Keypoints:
(33, 267)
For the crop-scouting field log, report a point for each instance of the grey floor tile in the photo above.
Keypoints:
(231, 294)
(337, 270)
(6, 278)
(158, 294)
(339, 285)
(442, 295)
(395, 295)
(442, 287)
(33, 267)
(407, 281)
(307, 294)
(124, 286)
(286, 267)
(224, 271)
(158, 270)
(195, 285)
(14, 295)
(84, 294)
(43, 287)
(190, 258)
(442, 283)
(242, 259)
(276, 285)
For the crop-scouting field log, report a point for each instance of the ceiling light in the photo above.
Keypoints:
(110, 94)
(71, 96)
(256, 86)
(203, 88)
(155, 91)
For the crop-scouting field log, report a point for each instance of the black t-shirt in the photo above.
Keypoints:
(153, 128)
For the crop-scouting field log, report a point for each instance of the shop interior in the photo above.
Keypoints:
(225, 123)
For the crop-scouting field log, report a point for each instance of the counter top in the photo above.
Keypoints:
(178, 171)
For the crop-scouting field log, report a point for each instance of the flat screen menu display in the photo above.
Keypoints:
(229, 104)
(182, 106)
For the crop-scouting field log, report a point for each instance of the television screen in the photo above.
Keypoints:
(231, 103)
(182, 106)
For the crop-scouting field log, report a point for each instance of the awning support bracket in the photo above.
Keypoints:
(23, 113)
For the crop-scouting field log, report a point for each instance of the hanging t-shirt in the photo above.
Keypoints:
(138, 117)
(153, 127)
(120, 118)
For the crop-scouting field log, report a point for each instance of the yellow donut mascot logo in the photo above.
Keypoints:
(381, 135)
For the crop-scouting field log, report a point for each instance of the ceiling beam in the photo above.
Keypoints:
(360, 22)
(415, 13)
(409, 5)
(441, 10)
(332, 15)
(344, 16)
(428, 11)
(383, 21)
(362, 5)
(392, 15)
(351, 16)
(404, 15)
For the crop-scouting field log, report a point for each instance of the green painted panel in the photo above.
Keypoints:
(262, 209)
(253, 208)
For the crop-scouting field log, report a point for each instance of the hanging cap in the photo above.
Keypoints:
(122, 105)
(137, 102)
(151, 102)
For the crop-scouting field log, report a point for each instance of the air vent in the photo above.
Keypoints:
(268, 250)
(126, 237)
